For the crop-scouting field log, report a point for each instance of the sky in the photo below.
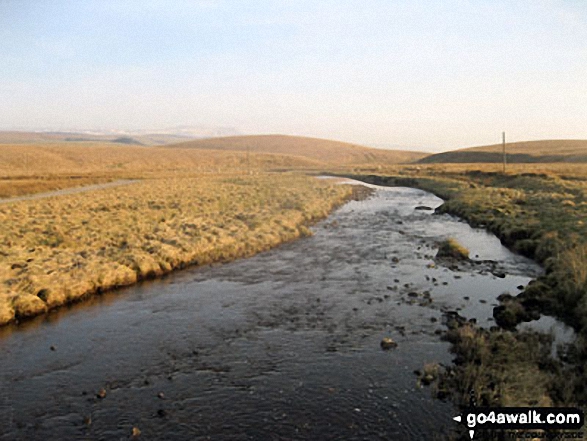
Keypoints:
(416, 74)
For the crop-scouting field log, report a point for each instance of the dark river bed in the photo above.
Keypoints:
(280, 346)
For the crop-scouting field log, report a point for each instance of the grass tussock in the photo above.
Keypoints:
(574, 283)
(452, 249)
(58, 250)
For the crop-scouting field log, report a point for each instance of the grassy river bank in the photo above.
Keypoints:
(58, 250)
(540, 215)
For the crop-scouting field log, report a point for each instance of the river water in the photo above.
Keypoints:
(280, 346)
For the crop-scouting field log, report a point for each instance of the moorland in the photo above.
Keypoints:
(202, 201)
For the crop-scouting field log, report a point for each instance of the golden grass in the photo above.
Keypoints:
(35, 168)
(574, 279)
(558, 169)
(25, 160)
(191, 207)
(451, 248)
(326, 151)
(58, 250)
(41, 167)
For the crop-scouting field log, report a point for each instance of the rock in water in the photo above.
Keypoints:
(388, 343)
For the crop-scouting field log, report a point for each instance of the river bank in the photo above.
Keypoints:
(541, 216)
(62, 249)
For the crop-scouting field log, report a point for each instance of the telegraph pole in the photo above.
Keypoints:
(504, 155)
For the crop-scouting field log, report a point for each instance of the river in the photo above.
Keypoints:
(281, 346)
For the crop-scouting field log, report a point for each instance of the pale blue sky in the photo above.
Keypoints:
(435, 74)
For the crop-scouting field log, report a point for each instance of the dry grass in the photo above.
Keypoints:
(326, 151)
(574, 279)
(35, 168)
(191, 207)
(58, 250)
(559, 169)
(25, 160)
(451, 248)
(501, 368)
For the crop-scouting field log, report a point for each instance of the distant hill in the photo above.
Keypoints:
(516, 152)
(14, 137)
(76, 159)
(326, 151)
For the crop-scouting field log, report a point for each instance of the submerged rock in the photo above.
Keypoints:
(388, 343)
(428, 374)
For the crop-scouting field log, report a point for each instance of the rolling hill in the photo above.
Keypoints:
(70, 158)
(326, 151)
(547, 151)
(15, 137)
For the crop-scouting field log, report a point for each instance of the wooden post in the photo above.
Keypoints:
(504, 155)
(248, 159)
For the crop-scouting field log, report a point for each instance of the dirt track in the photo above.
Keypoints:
(67, 191)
